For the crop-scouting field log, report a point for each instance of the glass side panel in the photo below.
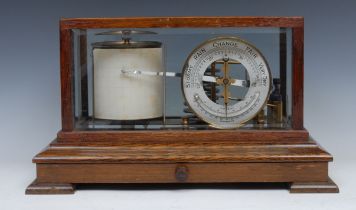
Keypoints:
(140, 87)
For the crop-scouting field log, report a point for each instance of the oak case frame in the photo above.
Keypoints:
(74, 157)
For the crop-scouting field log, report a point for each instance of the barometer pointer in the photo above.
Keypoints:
(234, 82)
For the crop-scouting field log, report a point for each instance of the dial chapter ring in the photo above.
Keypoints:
(234, 48)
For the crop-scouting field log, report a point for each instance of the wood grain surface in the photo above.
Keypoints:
(183, 152)
(261, 135)
(179, 22)
(197, 173)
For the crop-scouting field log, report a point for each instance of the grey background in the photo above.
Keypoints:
(30, 98)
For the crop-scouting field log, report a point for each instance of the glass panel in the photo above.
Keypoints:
(124, 104)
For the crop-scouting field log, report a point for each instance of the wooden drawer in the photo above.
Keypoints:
(182, 172)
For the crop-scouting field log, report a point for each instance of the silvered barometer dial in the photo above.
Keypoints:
(241, 80)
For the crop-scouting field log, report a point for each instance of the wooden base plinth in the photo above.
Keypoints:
(49, 188)
(36, 188)
(314, 187)
(303, 166)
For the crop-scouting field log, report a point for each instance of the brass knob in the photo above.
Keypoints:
(181, 173)
(185, 120)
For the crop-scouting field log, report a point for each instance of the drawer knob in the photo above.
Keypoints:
(181, 173)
